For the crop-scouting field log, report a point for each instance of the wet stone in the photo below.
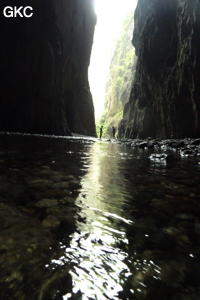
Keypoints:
(183, 239)
(61, 185)
(62, 214)
(67, 200)
(160, 204)
(57, 193)
(171, 231)
(51, 222)
(143, 145)
(185, 217)
(46, 203)
(39, 182)
(158, 157)
(196, 142)
(151, 145)
(176, 144)
(187, 153)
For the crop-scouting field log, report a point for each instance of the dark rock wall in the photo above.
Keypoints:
(165, 97)
(43, 68)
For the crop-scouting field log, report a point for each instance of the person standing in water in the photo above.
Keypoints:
(113, 132)
(101, 131)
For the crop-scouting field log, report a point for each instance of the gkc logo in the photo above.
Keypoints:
(14, 12)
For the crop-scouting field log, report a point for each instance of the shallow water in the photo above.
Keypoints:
(90, 219)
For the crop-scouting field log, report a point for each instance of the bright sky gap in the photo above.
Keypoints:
(110, 17)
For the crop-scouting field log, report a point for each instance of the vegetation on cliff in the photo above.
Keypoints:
(120, 78)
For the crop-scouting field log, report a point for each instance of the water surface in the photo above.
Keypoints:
(90, 219)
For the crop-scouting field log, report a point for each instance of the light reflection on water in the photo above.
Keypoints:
(99, 264)
(137, 222)
(112, 250)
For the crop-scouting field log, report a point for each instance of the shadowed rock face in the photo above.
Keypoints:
(43, 68)
(165, 97)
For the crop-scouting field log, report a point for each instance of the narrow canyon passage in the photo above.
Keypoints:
(111, 49)
(89, 219)
(109, 218)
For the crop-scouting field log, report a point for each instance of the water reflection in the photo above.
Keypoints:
(134, 240)
(94, 220)
(99, 270)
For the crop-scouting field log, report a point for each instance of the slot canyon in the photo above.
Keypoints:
(108, 208)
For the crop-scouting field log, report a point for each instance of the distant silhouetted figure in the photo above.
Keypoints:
(128, 132)
(122, 129)
(101, 131)
(113, 131)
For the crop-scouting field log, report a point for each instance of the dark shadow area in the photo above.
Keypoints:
(40, 181)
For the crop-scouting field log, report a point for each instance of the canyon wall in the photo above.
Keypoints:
(43, 68)
(165, 96)
(120, 78)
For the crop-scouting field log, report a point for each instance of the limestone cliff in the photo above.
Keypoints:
(43, 68)
(165, 96)
(120, 76)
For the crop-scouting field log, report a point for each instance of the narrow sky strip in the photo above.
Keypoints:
(110, 17)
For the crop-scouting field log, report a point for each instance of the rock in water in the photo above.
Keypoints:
(45, 203)
(51, 222)
(159, 158)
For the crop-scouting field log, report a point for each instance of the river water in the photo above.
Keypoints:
(90, 219)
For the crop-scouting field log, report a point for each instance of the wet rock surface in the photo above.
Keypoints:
(164, 149)
(90, 219)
